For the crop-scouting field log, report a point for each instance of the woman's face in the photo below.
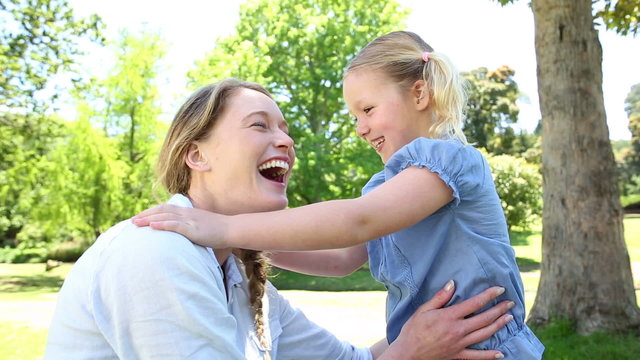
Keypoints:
(250, 155)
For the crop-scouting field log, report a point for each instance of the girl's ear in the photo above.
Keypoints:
(195, 159)
(420, 94)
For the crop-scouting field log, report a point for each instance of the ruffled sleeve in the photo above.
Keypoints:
(459, 166)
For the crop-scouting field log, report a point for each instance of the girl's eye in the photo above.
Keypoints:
(367, 109)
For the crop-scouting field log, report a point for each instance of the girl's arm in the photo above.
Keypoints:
(335, 262)
(407, 198)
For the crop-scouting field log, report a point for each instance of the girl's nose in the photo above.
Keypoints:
(362, 129)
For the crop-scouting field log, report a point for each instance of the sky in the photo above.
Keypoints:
(472, 33)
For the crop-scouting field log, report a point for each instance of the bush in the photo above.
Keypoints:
(519, 185)
(68, 251)
(19, 255)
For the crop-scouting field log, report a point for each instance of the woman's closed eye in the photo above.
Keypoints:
(260, 124)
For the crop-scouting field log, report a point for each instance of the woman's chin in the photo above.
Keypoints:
(271, 203)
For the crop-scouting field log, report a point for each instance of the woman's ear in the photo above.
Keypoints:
(420, 94)
(195, 159)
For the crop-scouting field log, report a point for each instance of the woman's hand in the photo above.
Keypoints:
(201, 227)
(434, 332)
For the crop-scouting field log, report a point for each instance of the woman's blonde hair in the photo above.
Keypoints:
(399, 54)
(194, 122)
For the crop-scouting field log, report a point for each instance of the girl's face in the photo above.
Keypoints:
(250, 156)
(388, 116)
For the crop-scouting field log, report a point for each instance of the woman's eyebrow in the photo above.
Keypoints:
(256, 112)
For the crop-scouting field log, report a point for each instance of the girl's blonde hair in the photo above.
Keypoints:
(194, 122)
(399, 54)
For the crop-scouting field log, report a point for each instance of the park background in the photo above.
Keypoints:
(86, 101)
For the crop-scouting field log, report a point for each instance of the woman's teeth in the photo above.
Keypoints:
(283, 165)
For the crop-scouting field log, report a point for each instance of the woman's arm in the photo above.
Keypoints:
(407, 198)
(335, 262)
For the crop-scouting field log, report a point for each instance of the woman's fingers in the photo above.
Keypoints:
(479, 354)
(440, 299)
(488, 316)
(477, 302)
(487, 331)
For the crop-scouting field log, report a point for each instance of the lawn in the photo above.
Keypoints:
(27, 300)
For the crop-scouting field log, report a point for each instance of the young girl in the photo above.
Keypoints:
(431, 215)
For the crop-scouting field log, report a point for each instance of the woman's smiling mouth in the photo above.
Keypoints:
(274, 170)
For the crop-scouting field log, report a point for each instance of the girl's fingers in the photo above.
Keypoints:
(168, 225)
(147, 220)
(487, 331)
(479, 354)
(162, 208)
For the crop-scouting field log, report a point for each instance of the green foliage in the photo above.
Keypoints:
(83, 191)
(491, 109)
(38, 39)
(298, 49)
(628, 160)
(68, 251)
(630, 199)
(622, 16)
(519, 185)
(22, 255)
(88, 178)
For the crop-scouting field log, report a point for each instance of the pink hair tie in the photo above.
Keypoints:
(425, 56)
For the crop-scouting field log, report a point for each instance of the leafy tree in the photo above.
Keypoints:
(299, 49)
(84, 186)
(584, 257)
(38, 39)
(101, 170)
(492, 108)
(125, 105)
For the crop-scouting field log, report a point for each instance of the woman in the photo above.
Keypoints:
(143, 293)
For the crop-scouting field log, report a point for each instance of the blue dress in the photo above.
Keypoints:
(466, 240)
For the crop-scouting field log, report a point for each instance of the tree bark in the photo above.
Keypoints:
(585, 273)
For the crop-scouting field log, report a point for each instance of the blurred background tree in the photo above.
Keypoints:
(630, 159)
(38, 39)
(299, 49)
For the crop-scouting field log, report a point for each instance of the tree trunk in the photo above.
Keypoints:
(586, 274)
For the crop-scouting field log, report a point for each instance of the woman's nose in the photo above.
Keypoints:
(284, 140)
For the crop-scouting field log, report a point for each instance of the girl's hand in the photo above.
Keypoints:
(201, 227)
(434, 332)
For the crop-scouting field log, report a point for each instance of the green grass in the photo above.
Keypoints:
(20, 341)
(562, 343)
(360, 280)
